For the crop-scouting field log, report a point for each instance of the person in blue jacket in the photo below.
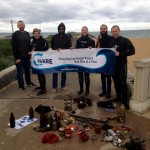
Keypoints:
(39, 44)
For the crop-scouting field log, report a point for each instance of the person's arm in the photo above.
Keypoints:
(130, 50)
(14, 45)
(44, 45)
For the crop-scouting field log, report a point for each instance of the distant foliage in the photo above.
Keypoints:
(48, 39)
(6, 55)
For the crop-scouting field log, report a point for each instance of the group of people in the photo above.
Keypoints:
(22, 47)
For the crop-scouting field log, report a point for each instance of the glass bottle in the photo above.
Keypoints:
(31, 113)
(12, 120)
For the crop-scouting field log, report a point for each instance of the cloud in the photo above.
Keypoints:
(75, 13)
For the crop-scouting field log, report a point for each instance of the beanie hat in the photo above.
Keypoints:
(36, 30)
(61, 25)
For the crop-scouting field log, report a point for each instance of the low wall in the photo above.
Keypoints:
(8, 75)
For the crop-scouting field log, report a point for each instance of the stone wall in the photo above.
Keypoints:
(7, 76)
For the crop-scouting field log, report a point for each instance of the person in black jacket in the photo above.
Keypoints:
(60, 41)
(84, 42)
(21, 49)
(39, 44)
(103, 41)
(124, 48)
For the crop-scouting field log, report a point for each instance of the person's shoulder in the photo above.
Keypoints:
(125, 38)
(55, 35)
(78, 39)
(16, 32)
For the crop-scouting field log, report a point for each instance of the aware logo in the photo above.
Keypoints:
(39, 60)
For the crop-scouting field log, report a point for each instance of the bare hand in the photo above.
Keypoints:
(33, 49)
(18, 61)
(117, 53)
(29, 53)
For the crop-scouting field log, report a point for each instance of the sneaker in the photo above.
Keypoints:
(108, 95)
(80, 92)
(31, 84)
(86, 93)
(41, 92)
(102, 94)
(37, 88)
(65, 88)
(54, 90)
(22, 89)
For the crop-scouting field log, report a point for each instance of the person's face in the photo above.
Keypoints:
(61, 30)
(21, 26)
(103, 30)
(36, 35)
(115, 32)
(84, 31)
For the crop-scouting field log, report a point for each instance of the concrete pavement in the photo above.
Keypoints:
(19, 102)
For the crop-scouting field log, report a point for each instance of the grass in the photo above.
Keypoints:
(6, 55)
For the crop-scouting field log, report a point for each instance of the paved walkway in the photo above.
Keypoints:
(19, 102)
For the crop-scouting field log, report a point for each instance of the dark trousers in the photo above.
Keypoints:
(120, 83)
(23, 67)
(55, 80)
(106, 83)
(42, 81)
(84, 76)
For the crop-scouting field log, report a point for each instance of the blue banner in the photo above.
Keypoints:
(93, 60)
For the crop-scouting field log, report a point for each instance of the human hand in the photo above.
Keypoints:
(117, 53)
(29, 53)
(18, 61)
(33, 49)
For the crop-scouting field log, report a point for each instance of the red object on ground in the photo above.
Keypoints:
(83, 136)
(50, 138)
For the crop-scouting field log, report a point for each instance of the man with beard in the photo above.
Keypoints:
(84, 42)
(103, 42)
(60, 41)
(21, 50)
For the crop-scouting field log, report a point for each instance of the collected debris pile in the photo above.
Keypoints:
(82, 102)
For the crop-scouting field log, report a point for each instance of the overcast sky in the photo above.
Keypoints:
(47, 14)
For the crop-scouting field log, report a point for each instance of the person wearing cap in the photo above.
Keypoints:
(84, 42)
(60, 41)
(39, 44)
(21, 50)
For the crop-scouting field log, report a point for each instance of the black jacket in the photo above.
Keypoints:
(124, 47)
(104, 41)
(58, 42)
(85, 42)
(15, 44)
(39, 44)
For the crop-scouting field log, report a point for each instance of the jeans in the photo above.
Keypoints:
(106, 83)
(55, 80)
(23, 67)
